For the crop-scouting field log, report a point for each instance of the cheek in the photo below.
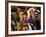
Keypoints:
(21, 16)
(25, 18)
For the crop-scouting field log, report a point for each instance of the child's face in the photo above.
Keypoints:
(21, 15)
(36, 14)
(31, 12)
(25, 17)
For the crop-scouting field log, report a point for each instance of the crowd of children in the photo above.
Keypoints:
(25, 19)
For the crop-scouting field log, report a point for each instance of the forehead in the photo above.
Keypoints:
(25, 15)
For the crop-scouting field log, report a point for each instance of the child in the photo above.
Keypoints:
(12, 23)
(31, 18)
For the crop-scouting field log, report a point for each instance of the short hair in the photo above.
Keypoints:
(22, 7)
(25, 13)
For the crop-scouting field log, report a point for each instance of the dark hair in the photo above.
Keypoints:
(22, 7)
(25, 13)
(39, 13)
